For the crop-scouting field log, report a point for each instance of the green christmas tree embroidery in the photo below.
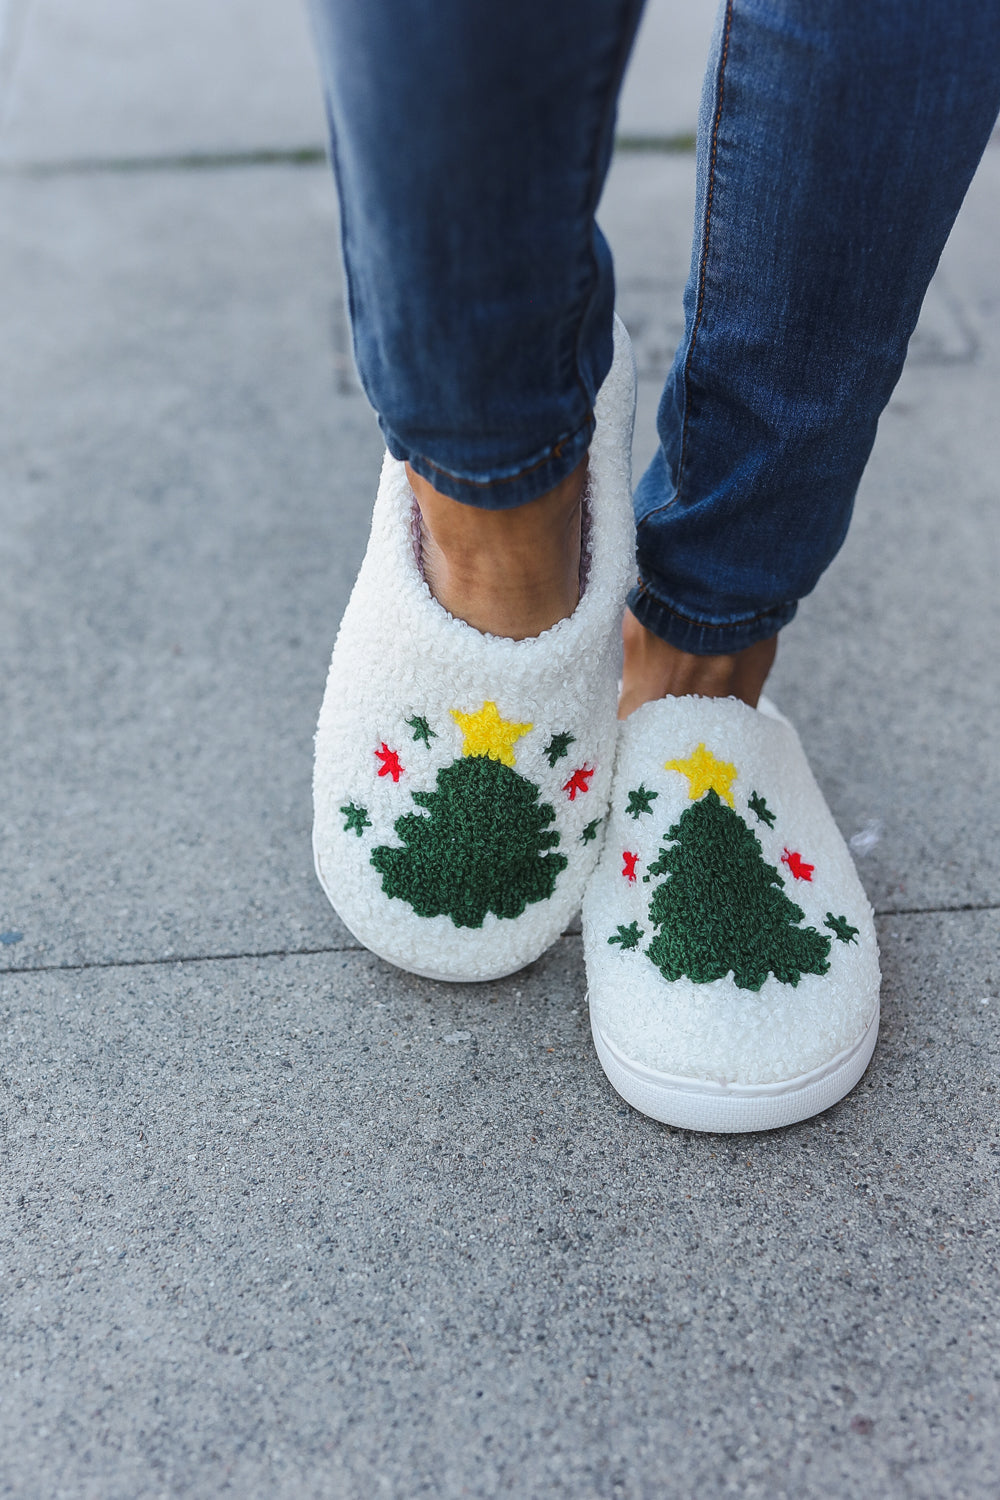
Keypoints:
(590, 832)
(841, 928)
(481, 846)
(724, 907)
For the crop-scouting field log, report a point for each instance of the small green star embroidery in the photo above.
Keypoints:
(422, 730)
(629, 936)
(640, 801)
(357, 818)
(757, 805)
(841, 928)
(558, 746)
(590, 832)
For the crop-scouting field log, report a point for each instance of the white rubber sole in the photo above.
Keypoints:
(730, 1109)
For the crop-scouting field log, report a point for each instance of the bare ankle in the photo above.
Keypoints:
(654, 669)
(513, 573)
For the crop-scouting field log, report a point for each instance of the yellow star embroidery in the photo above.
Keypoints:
(705, 774)
(485, 733)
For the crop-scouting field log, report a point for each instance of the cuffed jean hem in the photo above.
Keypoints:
(501, 491)
(706, 637)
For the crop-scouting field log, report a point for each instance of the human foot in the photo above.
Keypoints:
(511, 573)
(653, 669)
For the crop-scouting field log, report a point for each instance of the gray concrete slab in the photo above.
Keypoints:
(108, 78)
(185, 497)
(663, 84)
(912, 607)
(307, 1227)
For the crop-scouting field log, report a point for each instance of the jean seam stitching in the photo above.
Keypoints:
(706, 240)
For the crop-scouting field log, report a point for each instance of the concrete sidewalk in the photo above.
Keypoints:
(277, 1220)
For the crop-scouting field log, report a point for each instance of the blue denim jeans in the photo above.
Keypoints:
(836, 141)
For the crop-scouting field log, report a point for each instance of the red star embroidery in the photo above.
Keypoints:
(628, 869)
(579, 782)
(390, 762)
(797, 865)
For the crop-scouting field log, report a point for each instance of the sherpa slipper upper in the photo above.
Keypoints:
(461, 779)
(731, 954)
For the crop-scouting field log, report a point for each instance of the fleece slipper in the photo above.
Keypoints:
(462, 779)
(731, 956)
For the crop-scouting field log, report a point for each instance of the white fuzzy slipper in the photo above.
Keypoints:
(731, 954)
(462, 779)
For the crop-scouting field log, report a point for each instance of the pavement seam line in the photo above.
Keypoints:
(183, 161)
(179, 958)
(215, 958)
(682, 144)
(288, 156)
